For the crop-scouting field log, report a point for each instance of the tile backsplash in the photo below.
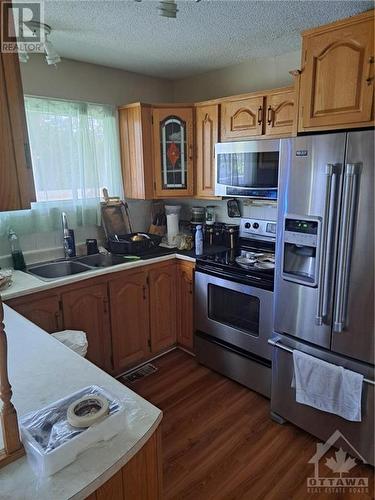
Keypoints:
(260, 210)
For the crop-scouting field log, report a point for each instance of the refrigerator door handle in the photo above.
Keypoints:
(327, 242)
(350, 193)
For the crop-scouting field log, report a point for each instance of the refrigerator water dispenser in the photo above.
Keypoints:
(300, 262)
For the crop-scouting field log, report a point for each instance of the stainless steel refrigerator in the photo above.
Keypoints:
(324, 282)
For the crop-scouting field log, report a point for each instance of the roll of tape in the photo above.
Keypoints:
(87, 411)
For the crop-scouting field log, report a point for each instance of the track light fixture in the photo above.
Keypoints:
(41, 32)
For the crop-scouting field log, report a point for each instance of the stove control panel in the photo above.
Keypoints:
(258, 228)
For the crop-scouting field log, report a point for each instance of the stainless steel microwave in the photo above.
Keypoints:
(247, 169)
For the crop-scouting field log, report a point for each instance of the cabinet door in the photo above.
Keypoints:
(173, 151)
(185, 305)
(337, 80)
(17, 189)
(129, 318)
(207, 135)
(281, 114)
(163, 306)
(242, 119)
(44, 312)
(136, 151)
(86, 309)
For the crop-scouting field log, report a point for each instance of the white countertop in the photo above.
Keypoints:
(24, 284)
(42, 370)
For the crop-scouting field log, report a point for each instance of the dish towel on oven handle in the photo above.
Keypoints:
(327, 387)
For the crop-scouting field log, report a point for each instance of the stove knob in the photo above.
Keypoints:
(255, 225)
(247, 225)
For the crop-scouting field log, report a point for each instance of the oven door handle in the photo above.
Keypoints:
(220, 273)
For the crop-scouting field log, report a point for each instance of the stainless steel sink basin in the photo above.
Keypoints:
(100, 260)
(53, 270)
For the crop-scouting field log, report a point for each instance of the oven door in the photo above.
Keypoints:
(238, 314)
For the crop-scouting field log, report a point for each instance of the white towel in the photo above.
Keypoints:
(327, 387)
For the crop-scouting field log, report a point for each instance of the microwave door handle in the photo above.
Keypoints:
(326, 242)
(351, 186)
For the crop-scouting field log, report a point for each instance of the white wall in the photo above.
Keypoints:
(90, 82)
(250, 76)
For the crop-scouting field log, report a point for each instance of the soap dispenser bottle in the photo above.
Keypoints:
(15, 248)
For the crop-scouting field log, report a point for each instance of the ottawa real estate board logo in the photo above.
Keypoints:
(20, 22)
(332, 468)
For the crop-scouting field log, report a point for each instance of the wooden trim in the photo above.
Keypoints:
(240, 97)
(339, 24)
(176, 105)
(9, 423)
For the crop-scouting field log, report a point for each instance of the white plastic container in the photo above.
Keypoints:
(51, 443)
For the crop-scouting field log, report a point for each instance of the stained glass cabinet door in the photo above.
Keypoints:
(173, 150)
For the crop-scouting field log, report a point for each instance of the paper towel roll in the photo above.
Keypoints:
(172, 228)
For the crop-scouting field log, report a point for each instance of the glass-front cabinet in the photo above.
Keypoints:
(173, 151)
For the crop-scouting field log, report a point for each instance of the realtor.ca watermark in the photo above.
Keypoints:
(18, 27)
(332, 474)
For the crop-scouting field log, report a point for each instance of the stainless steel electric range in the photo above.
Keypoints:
(234, 307)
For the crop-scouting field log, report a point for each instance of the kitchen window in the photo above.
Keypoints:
(75, 153)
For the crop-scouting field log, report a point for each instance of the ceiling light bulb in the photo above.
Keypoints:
(168, 8)
(52, 57)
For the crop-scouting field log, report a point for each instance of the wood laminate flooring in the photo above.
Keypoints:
(219, 442)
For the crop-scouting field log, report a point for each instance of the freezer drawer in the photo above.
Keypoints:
(319, 423)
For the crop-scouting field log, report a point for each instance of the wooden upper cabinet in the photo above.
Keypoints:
(173, 151)
(207, 135)
(17, 189)
(87, 309)
(337, 79)
(43, 311)
(241, 119)
(136, 151)
(129, 318)
(281, 119)
(163, 306)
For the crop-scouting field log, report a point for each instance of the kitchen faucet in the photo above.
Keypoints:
(68, 238)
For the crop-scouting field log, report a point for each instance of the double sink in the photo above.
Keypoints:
(60, 268)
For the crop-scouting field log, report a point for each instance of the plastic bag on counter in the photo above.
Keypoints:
(76, 340)
(51, 443)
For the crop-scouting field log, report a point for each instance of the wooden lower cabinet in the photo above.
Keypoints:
(185, 304)
(44, 311)
(129, 318)
(162, 282)
(140, 479)
(87, 309)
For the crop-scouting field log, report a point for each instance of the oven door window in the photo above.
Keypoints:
(248, 170)
(236, 309)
